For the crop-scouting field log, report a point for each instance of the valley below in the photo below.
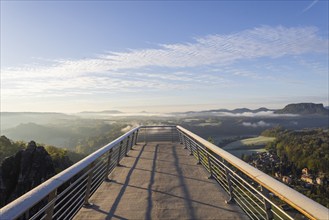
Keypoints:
(71, 137)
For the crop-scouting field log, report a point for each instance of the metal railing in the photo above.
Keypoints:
(257, 193)
(63, 195)
(158, 133)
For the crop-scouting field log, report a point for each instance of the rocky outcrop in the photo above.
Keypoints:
(304, 109)
(24, 171)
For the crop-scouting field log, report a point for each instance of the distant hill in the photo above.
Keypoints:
(102, 112)
(292, 109)
(303, 109)
(40, 133)
(12, 119)
(244, 110)
(241, 110)
(234, 111)
(32, 113)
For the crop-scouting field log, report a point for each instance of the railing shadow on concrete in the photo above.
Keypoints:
(111, 212)
(62, 196)
(182, 182)
(149, 188)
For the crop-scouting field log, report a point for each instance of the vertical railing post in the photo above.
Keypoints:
(190, 146)
(267, 205)
(119, 153)
(229, 184)
(27, 214)
(198, 152)
(184, 141)
(108, 165)
(127, 145)
(132, 141)
(172, 134)
(50, 210)
(210, 166)
(145, 135)
(136, 138)
(180, 137)
(90, 178)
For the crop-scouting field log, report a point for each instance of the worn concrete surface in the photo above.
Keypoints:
(160, 181)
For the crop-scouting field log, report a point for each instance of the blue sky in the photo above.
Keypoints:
(71, 56)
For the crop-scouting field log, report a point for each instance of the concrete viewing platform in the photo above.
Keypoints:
(160, 181)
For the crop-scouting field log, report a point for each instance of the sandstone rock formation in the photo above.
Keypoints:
(24, 171)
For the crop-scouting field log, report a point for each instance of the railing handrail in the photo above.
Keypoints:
(157, 126)
(300, 202)
(29, 199)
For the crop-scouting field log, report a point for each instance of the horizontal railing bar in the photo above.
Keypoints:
(101, 166)
(79, 198)
(100, 174)
(36, 215)
(241, 196)
(79, 192)
(99, 163)
(244, 193)
(72, 191)
(75, 198)
(222, 183)
(96, 184)
(235, 181)
(112, 166)
(244, 206)
(281, 213)
(76, 208)
(73, 184)
(157, 126)
(99, 170)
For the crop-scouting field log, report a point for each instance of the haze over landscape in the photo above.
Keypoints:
(243, 85)
(73, 56)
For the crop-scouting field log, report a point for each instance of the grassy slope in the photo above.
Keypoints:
(249, 142)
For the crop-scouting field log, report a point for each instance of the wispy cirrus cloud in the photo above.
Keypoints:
(310, 6)
(137, 69)
(224, 49)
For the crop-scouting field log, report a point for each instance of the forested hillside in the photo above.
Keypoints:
(88, 144)
(9, 148)
(70, 135)
(60, 156)
(305, 148)
(24, 166)
(304, 161)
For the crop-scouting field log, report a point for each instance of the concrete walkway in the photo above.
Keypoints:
(160, 181)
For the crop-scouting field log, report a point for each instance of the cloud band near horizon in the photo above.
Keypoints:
(166, 67)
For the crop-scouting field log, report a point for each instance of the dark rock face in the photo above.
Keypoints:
(24, 171)
(304, 109)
